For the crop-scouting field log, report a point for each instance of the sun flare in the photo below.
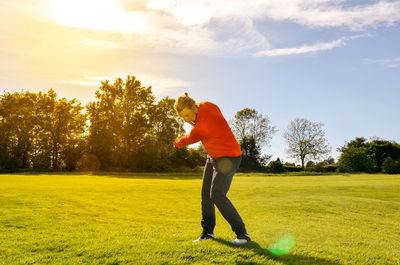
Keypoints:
(96, 14)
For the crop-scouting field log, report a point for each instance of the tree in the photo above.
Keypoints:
(88, 162)
(380, 149)
(310, 164)
(329, 161)
(197, 157)
(306, 139)
(325, 166)
(390, 166)
(159, 152)
(251, 153)
(276, 166)
(63, 124)
(253, 132)
(120, 123)
(355, 159)
(130, 131)
(38, 131)
(372, 154)
(18, 128)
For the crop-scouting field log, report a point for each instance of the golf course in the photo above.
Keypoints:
(121, 218)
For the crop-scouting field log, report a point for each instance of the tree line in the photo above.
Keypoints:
(125, 129)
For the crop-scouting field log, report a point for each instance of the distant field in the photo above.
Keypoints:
(153, 218)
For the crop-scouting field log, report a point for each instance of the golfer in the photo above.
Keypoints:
(223, 159)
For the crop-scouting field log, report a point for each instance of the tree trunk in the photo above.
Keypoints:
(55, 156)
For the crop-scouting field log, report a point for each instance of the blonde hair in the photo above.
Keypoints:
(183, 102)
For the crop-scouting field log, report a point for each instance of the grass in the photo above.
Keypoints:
(153, 218)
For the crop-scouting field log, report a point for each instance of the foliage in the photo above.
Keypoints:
(276, 166)
(197, 157)
(253, 131)
(371, 155)
(130, 131)
(251, 153)
(327, 165)
(88, 162)
(391, 166)
(40, 132)
(356, 159)
(379, 150)
(291, 168)
(120, 123)
(125, 129)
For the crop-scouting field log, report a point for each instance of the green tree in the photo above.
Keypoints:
(88, 162)
(197, 157)
(390, 166)
(310, 166)
(380, 149)
(120, 123)
(276, 166)
(63, 124)
(355, 159)
(73, 151)
(377, 150)
(39, 131)
(18, 128)
(329, 161)
(164, 130)
(253, 132)
(130, 131)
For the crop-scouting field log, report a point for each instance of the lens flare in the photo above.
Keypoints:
(282, 246)
(224, 165)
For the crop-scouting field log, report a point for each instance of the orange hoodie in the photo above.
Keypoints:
(213, 131)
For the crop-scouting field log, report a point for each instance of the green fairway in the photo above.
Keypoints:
(152, 219)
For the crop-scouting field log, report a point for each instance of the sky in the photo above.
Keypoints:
(335, 62)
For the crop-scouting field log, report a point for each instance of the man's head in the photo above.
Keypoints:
(186, 108)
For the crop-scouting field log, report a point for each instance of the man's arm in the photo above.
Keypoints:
(185, 140)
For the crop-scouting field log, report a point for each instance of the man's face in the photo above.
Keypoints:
(189, 115)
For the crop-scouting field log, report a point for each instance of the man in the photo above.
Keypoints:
(223, 159)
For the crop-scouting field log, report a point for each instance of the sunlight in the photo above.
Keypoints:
(96, 14)
(187, 12)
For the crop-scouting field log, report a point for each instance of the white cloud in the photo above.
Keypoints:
(182, 26)
(389, 63)
(302, 49)
(313, 13)
(195, 26)
(160, 84)
(321, 46)
(80, 83)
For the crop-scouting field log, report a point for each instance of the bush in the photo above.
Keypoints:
(292, 168)
(319, 167)
(355, 159)
(276, 166)
(390, 166)
(330, 168)
(88, 162)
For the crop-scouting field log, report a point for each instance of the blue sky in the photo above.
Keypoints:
(335, 62)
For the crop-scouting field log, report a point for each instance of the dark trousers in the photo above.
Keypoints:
(217, 178)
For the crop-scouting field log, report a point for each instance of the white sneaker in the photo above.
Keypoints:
(242, 239)
(204, 236)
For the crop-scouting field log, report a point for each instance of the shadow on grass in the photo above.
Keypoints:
(175, 176)
(126, 175)
(287, 259)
